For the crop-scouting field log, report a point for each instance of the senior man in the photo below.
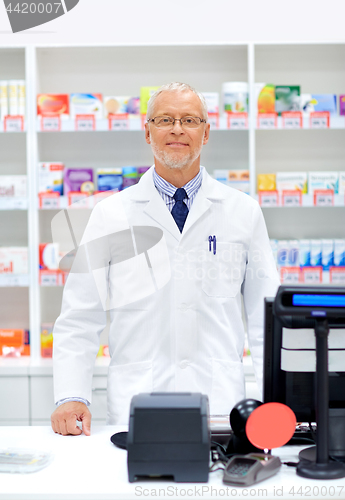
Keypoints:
(185, 332)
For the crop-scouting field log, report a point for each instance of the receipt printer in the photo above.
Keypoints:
(168, 435)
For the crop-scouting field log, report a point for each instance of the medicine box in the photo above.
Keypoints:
(267, 182)
(86, 104)
(342, 105)
(291, 181)
(47, 340)
(78, 180)
(145, 94)
(115, 105)
(212, 101)
(265, 96)
(109, 179)
(50, 177)
(14, 342)
(323, 180)
(13, 186)
(49, 256)
(14, 260)
(339, 252)
(53, 103)
(287, 98)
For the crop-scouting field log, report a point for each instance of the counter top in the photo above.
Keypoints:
(93, 468)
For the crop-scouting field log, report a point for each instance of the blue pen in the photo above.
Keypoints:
(212, 239)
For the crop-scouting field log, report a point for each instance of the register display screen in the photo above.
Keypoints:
(318, 300)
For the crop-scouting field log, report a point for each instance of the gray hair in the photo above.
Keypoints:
(176, 87)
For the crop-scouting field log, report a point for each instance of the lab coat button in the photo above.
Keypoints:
(184, 364)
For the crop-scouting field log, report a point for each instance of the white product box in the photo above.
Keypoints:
(21, 97)
(341, 182)
(291, 181)
(339, 252)
(3, 99)
(13, 186)
(86, 104)
(50, 177)
(304, 253)
(13, 97)
(327, 253)
(323, 180)
(14, 260)
(212, 101)
(315, 252)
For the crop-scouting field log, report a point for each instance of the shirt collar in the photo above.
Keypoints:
(167, 188)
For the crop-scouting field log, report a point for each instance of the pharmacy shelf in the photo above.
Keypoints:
(12, 129)
(336, 122)
(307, 201)
(9, 280)
(130, 125)
(13, 203)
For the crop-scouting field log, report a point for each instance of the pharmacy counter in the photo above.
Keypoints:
(93, 468)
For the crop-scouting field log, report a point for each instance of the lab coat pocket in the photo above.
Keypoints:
(228, 386)
(223, 270)
(124, 382)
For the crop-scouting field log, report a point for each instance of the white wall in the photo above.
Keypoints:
(186, 21)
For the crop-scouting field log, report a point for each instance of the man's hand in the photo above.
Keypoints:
(64, 419)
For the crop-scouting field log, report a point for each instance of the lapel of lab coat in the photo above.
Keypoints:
(157, 210)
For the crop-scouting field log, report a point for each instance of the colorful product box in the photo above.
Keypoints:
(50, 177)
(47, 340)
(341, 105)
(315, 252)
(115, 105)
(238, 179)
(142, 170)
(304, 253)
(339, 252)
(341, 188)
(129, 176)
(323, 180)
(267, 182)
(78, 180)
(49, 256)
(53, 103)
(14, 260)
(145, 94)
(86, 104)
(265, 97)
(327, 249)
(14, 342)
(212, 101)
(291, 181)
(287, 98)
(109, 179)
(13, 186)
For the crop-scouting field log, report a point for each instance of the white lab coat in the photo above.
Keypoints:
(184, 332)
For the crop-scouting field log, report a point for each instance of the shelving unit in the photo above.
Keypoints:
(318, 68)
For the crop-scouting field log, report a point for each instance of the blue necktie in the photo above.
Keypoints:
(180, 209)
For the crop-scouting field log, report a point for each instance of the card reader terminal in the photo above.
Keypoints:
(245, 470)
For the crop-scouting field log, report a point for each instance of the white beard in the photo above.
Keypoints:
(171, 160)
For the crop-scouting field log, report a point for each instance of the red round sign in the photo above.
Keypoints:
(271, 425)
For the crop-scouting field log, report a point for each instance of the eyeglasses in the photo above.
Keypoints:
(169, 122)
